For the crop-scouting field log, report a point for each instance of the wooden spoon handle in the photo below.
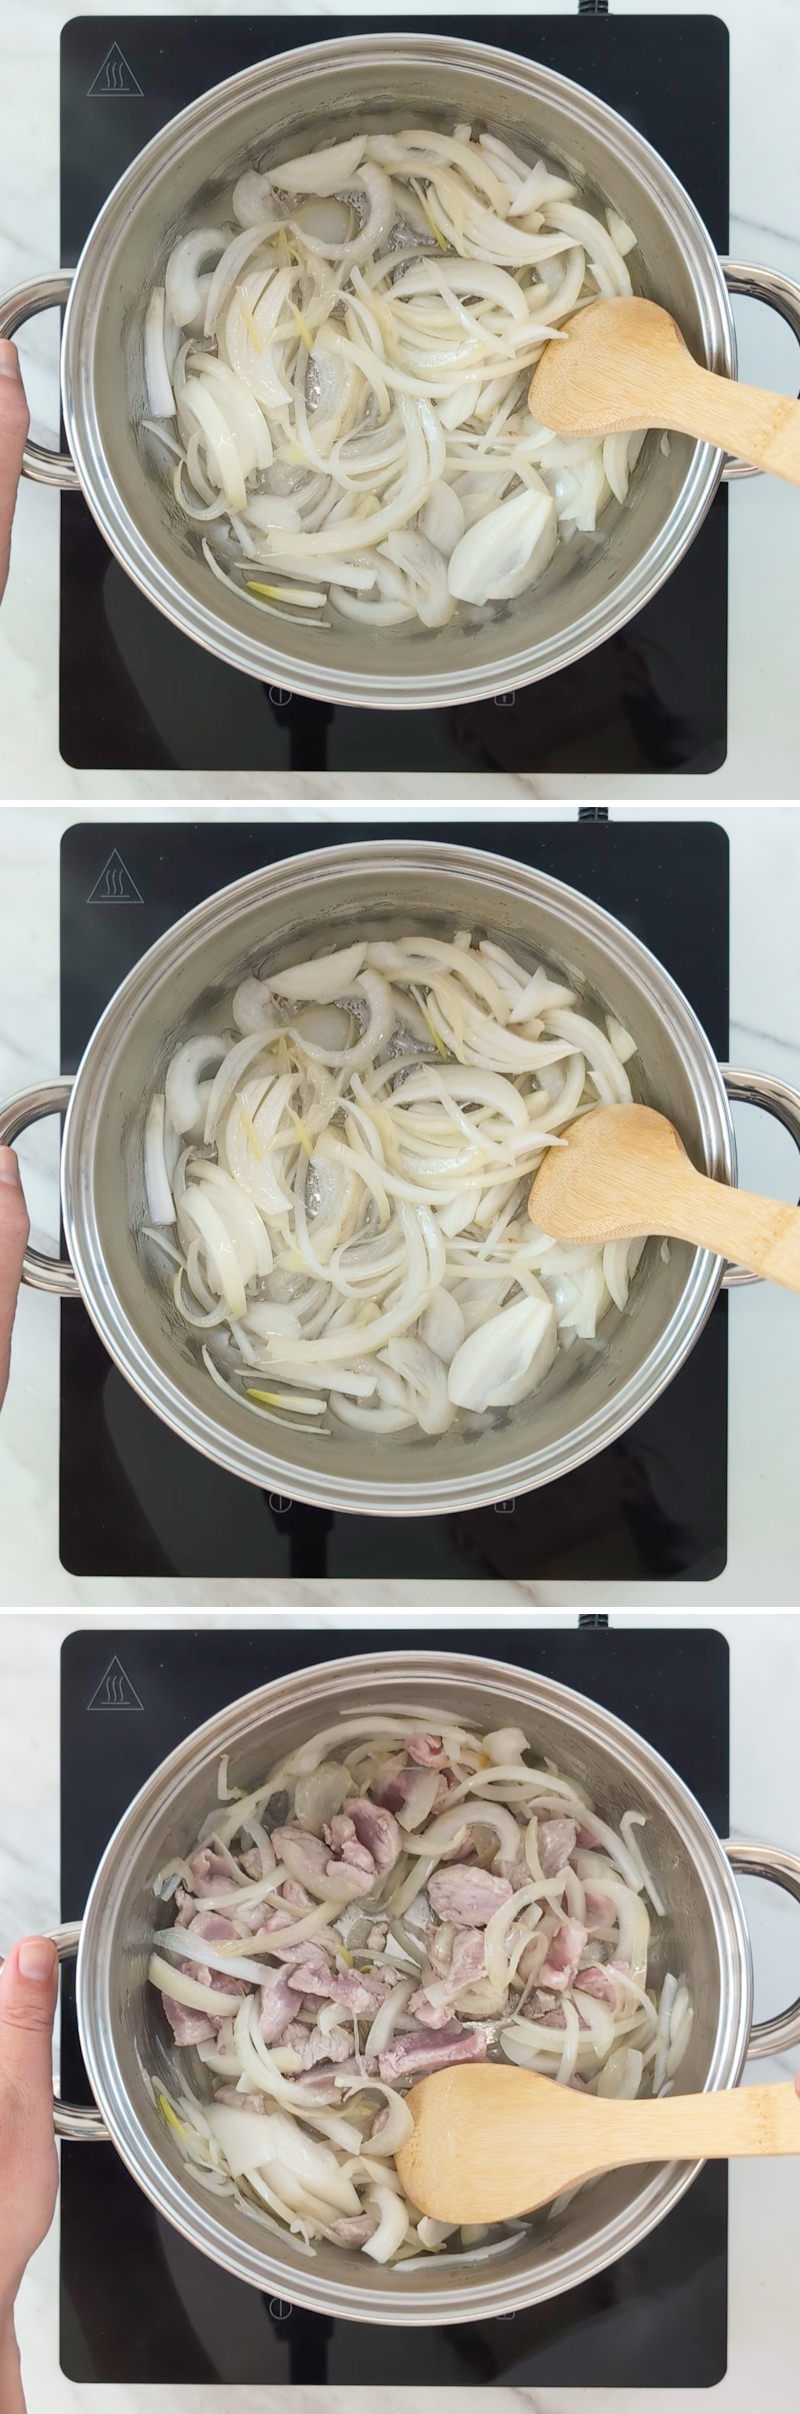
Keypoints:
(763, 1233)
(763, 427)
(741, 2120)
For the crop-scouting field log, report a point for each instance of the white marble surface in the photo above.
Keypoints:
(764, 2214)
(762, 1564)
(765, 515)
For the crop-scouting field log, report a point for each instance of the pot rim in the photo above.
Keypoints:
(266, 1466)
(634, 1754)
(417, 688)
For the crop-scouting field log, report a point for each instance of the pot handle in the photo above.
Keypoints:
(776, 1097)
(47, 1098)
(780, 293)
(40, 461)
(81, 2122)
(783, 1869)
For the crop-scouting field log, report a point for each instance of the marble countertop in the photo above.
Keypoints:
(765, 1011)
(764, 515)
(764, 2200)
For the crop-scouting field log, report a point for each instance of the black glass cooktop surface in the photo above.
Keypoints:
(136, 1501)
(135, 694)
(137, 2302)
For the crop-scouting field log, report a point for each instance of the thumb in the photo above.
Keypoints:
(28, 1990)
(13, 1242)
(14, 422)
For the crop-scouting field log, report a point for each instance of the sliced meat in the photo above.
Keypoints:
(309, 1860)
(278, 2007)
(427, 1751)
(606, 1984)
(361, 1991)
(313, 2047)
(468, 1897)
(321, 2080)
(563, 1955)
(377, 1831)
(413, 1792)
(377, 1934)
(466, 1965)
(251, 1863)
(342, 1838)
(306, 1857)
(556, 1839)
(188, 2027)
(292, 1892)
(599, 1909)
(213, 1926)
(210, 1874)
(311, 1948)
(251, 1917)
(243, 2103)
(216, 1979)
(355, 2229)
(418, 2049)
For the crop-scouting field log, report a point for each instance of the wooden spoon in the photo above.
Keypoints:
(490, 2140)
(625, 365)
(625, 1173)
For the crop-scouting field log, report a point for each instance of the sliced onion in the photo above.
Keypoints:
(505, 550)
(392, 2224)
(182, 1989)
(160, 1201)
(325, 171)
(159, 382)
(185, 293)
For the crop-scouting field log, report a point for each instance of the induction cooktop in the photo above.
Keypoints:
(140, 2305)
(137, 1501)
(137, 695)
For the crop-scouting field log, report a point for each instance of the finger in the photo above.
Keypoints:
(28, 1990)
(14, 424)
(14, 1229)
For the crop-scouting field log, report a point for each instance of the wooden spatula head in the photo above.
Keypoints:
(608, 1183)
(489, 2141)
(615, 368)
(624, 365)
(625, 1174)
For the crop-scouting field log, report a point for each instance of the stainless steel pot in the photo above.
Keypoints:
(273, 110)
(591, 1395)
(703, 1936)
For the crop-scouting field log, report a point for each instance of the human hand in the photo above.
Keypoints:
(28, 2159)
(14, 424)
(14, 1229)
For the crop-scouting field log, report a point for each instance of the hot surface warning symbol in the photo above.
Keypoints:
(115, 1691)
(116, 885)
(115, 80)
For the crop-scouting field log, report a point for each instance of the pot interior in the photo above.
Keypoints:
(185, 986)
(124, 2033)
(272, 112)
